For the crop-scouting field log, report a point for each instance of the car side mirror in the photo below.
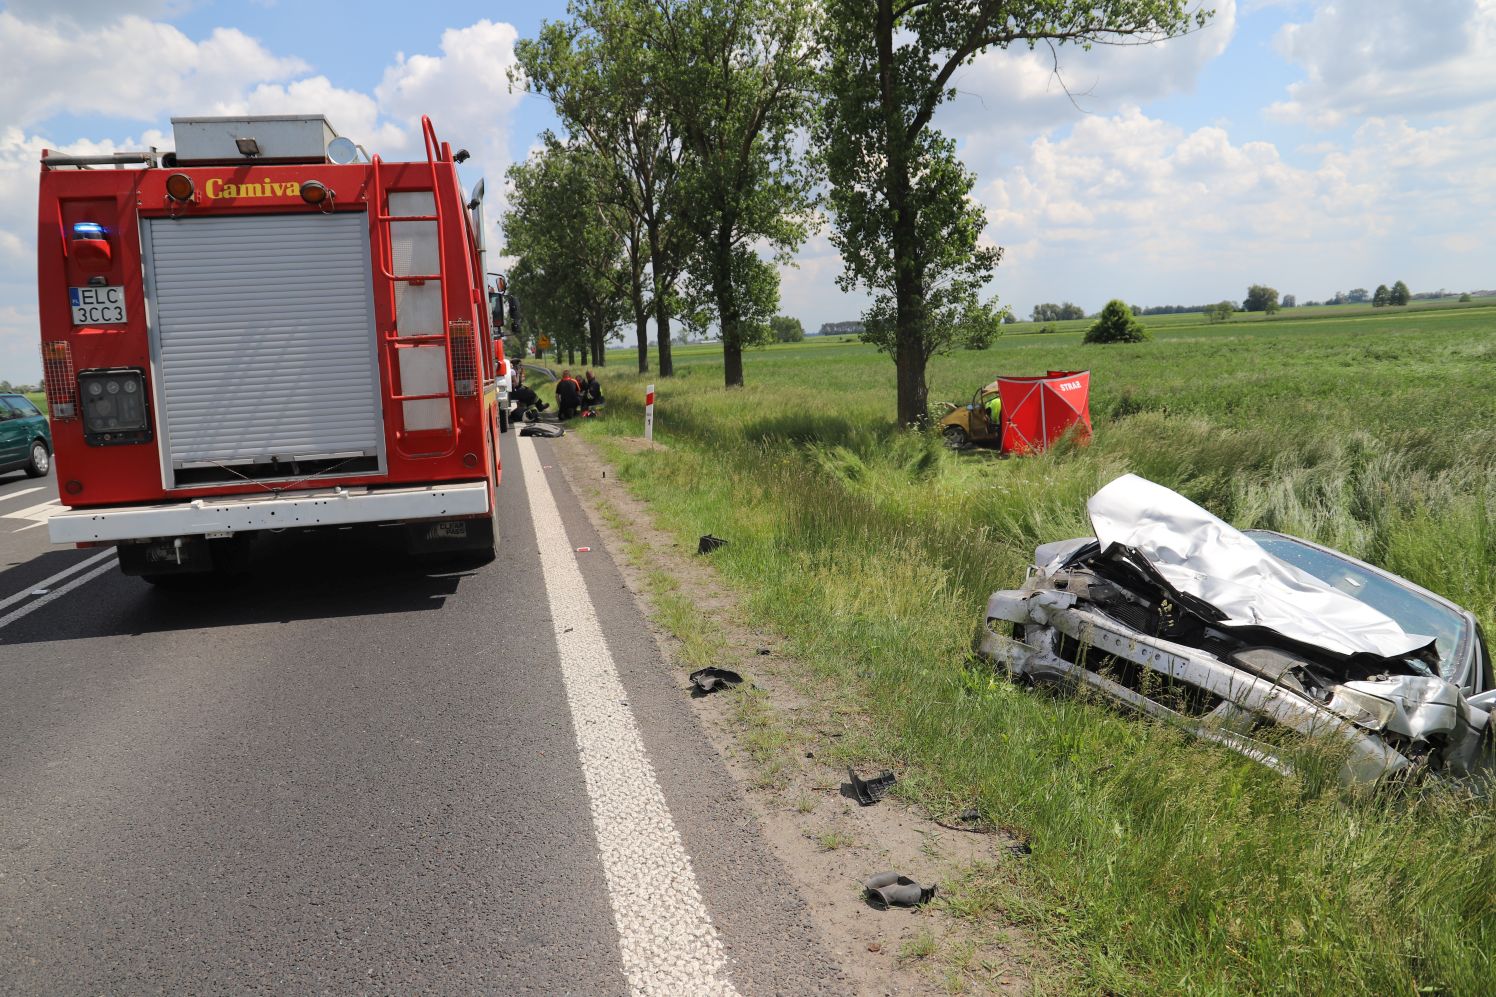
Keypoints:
(496, 308)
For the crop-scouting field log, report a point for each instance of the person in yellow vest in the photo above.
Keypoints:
(994, 406)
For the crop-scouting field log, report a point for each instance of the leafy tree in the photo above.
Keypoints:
(786, 330)
(1465, 297)
(1261, 298)
(1358, 296)
(979, 325)
(735, 81)
(905, 224)
(1116, 324)
(1221, 311)
(1399, 294)
(1381, 297)
(955, 320)
(1339, 299)
(1009, 318)
(1289, 301)
(596, 69)
(1051, 312)
(570, 256)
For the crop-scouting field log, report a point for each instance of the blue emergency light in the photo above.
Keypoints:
(88, 230)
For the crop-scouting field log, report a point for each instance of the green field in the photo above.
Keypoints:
(1159, 865)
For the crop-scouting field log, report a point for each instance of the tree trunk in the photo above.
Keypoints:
(571, 356)
(909, 290)
(595, 329)
(661, 303)
(728, 318)
(641, 317)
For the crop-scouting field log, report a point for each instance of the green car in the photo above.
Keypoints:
(25, 437)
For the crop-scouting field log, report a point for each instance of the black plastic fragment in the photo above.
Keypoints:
(889, 889)
(546, 430)
(709, 543)
(870, 791)
(1019, 850)
(711, 679)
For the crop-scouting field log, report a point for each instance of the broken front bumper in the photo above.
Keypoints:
(1246, 701)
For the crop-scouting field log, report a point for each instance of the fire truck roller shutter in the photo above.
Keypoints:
(263, 338)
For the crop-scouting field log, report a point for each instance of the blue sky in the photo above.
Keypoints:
(1313, 146)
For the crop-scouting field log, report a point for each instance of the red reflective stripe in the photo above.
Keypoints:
(649, 399)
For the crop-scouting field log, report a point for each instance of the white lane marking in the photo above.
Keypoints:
(47, 583)
(31, 510)
(17, 494)
(669, 943)
(38, 514)
(32, 607)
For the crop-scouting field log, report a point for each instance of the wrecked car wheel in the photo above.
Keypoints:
(956, 438)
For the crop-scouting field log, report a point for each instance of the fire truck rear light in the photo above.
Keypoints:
(114, 407)
(470, 460)
(179, 187)
(73, 487)
(463, 349)
(314, 192)
(61, 383)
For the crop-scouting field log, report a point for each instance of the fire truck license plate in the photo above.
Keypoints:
(101, 305)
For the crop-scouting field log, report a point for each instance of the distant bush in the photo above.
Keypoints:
(1047, 328)
(1116, 325)
(1465, 296)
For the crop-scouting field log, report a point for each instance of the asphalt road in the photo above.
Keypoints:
(353, 774)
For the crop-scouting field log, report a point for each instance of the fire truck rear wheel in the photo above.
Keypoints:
(503, 421)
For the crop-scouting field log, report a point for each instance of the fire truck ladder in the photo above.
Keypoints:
(393, 341)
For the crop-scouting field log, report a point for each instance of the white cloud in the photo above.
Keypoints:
(20, 344)
(151, 70)
(466, 92)
(133, 69)
(1135, 207)
(1013, 94)
(1385, 57)
(351, 112)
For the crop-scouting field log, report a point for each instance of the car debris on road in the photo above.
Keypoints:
(889, 889)
(1172, 612)
(713, 679)
(870, 791)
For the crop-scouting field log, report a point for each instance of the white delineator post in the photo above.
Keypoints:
(649, 413)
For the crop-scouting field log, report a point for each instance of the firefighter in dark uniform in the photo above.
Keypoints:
(568, 396)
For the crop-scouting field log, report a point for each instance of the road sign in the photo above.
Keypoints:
(649, 413)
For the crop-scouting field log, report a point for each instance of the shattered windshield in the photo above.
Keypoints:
(1415, 613)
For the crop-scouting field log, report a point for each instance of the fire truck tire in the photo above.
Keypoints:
(503, 421)
(40, 462)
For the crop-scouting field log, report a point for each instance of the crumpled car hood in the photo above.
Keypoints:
(1202, 556)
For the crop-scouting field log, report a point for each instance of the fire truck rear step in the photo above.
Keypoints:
(289, 510)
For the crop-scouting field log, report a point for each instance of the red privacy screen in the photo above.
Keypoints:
(1037, 411)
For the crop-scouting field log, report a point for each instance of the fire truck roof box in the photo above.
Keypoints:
(273, 138)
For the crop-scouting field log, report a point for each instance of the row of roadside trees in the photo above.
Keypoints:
(706, 139)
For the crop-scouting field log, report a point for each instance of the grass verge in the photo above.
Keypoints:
(1167, 865)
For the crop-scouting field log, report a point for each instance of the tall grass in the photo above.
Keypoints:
(1168, 865)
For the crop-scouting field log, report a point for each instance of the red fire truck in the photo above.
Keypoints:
(266, 330)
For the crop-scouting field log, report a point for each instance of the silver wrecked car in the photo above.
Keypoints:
(1171, 611)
